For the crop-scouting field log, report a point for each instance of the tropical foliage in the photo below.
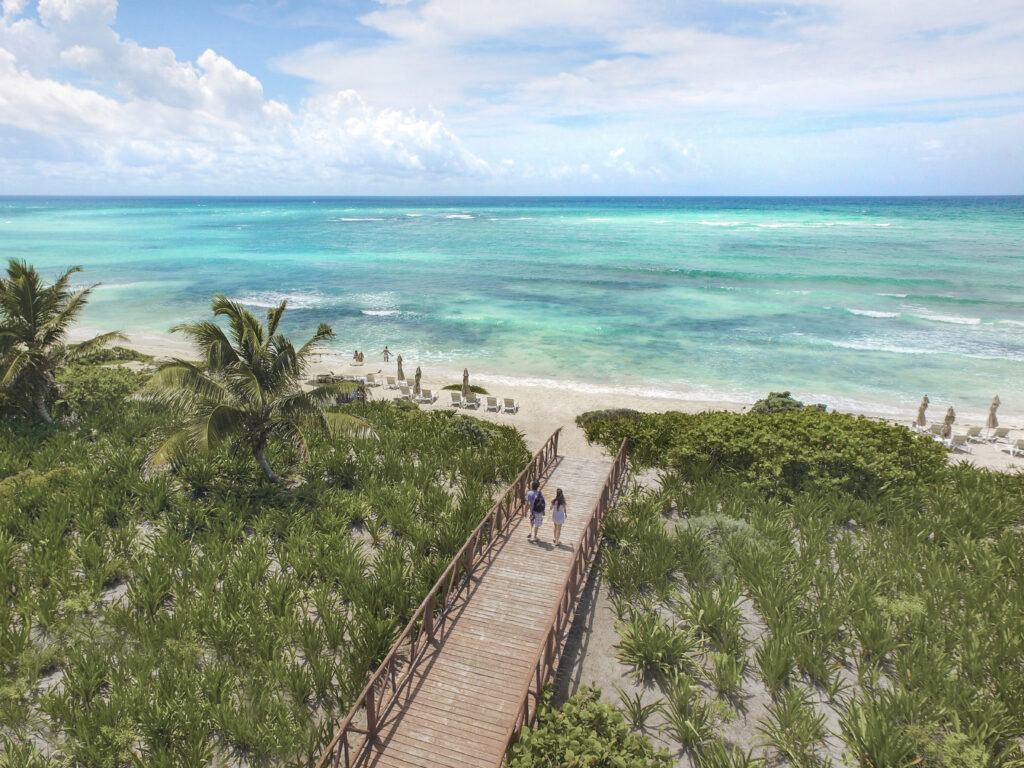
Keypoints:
(893, 615)
(781, 454)
(583, 731)
(246, 389)
(198, 616)
(34, 322)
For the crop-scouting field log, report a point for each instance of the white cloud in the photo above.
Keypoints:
(207, 123)
(12, 8)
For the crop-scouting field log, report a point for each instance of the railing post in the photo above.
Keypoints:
(428, 617)
(371, 715)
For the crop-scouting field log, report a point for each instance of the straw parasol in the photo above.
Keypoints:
(947, 430)
(465, 382)
(993, 422)
(401, 373)
(921, 420)
(416, 385)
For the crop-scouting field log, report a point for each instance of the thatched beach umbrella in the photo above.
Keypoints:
(921, 421)
(401, 373)
(465, 382)
(993, 422)
(947, 428)
(416, 385)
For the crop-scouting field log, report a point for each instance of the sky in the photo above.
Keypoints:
(512, 97)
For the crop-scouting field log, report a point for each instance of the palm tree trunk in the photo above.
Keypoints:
(257, 453)
(40, 401)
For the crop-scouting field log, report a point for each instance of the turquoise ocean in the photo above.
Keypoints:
(862, 303)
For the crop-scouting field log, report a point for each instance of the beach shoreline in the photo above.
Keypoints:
(547, 404)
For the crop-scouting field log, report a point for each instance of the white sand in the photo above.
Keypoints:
(545, 406)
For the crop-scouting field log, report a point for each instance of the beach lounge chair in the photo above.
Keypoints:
(935, 430)
(492, 405)
(372, 380)
(1016, 448)
(426, 396)
(974, 435)
(511, 406)
(404, 393)
(958, 443)
(456, 399)
(472, 401)
(403, 383)
(392, 384)
(999, 435)
(324, 378)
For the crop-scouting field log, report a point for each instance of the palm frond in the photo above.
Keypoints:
(274, 318)
(322, 332)
(75, 352)
(346, 424)
(169, 450)
(13, 367)
(181, 384)
(215, 347)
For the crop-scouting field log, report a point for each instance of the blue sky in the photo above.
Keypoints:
(597, 97)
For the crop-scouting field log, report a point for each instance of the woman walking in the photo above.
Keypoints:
(558, 515)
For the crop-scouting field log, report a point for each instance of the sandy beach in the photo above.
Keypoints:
(543, 407)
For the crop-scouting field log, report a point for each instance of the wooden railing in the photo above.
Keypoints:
(357, 735)
(550, 650)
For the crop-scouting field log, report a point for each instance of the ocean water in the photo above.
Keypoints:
(862, 303)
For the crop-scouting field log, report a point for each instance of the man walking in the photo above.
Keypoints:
(535, 504)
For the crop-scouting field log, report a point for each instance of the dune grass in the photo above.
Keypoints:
(897, 605)
(204, 615)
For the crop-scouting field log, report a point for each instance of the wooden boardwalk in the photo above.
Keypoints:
(464, 697)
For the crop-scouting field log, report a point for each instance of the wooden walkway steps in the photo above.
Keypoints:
(473, 684)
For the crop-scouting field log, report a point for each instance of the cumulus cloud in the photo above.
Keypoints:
(207, 121)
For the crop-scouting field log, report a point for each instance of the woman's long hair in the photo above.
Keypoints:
(559, 498)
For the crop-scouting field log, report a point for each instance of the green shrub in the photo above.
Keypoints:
(781, 401)
(583, 731)
(780, 454)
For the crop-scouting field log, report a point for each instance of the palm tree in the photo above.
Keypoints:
(34, 324)
(246, 389)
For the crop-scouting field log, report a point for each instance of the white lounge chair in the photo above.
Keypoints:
(392, 384)
(958, 443)
(404, 393)
(426, 396)
(403, 383)
(372, 380)
(974, 435)
(471, 401)
(511, 406)
(492, 405)
(456, 399)
(999, 435)
(1016, 448)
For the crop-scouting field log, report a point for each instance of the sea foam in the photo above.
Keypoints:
(871, 313)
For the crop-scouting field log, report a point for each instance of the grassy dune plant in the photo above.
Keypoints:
(888, 583)
(653, 647)
(201, 616)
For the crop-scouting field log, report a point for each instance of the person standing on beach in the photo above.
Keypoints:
(535, 504)
(558, 515)
(386, 353)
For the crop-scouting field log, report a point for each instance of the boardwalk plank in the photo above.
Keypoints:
(464, 696)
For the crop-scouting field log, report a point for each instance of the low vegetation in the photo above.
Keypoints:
(584, 731)
(872, 593)
(205, 615)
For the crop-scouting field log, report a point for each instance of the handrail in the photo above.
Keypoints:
(430, 621)
(550, 649)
